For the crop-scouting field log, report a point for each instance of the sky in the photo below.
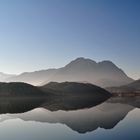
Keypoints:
(42, 34)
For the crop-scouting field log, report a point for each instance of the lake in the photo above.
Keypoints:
(117, 119)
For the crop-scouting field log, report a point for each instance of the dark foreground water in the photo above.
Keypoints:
(115, 119)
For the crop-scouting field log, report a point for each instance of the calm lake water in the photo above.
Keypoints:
(117, 119)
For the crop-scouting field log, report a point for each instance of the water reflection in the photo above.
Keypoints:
(18, 105)
(106, 115)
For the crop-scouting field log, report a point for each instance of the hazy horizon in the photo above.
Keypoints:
(42, 34)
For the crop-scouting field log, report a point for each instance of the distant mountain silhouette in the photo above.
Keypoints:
(133, 87)
(104, 74)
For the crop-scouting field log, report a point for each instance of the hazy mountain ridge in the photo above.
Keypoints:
(34, 78)
(133, 87)
(104, 74)
(4, 76)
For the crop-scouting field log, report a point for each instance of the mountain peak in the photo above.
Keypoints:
(81, 61)
(107, 63)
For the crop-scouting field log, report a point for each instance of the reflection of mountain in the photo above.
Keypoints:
(106, 116)
(104, 74)
(16, 105)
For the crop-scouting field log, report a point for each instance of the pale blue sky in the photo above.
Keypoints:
(39, 34)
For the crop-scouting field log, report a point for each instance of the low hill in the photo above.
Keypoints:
(16, 89)
(71, 95)
(74, 88)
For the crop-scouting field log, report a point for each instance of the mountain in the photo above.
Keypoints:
(85, 70)
(4, 76)
(104, 74)
(133, 87)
